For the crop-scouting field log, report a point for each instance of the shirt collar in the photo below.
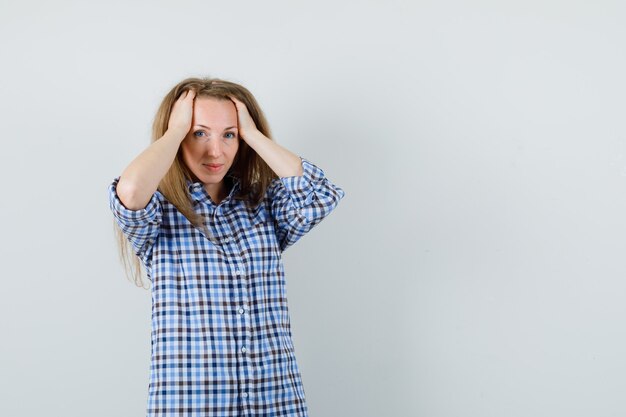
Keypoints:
(197, 191)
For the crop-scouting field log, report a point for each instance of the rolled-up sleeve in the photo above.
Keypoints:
(141, 227)
(299, 203)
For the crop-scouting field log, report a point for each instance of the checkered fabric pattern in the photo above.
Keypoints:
(221, 336)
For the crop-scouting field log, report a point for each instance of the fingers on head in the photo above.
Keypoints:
(237, 102)
(188, 93)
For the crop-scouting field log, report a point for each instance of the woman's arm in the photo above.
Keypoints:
(141, 178)
(282, 161)
(302, 197)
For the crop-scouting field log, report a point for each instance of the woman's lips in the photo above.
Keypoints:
(213, 167)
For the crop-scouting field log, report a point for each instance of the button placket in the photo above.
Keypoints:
(246, 333)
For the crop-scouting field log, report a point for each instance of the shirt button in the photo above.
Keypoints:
(226, 239)
(241, 310)
(244, 350)
(244, 395)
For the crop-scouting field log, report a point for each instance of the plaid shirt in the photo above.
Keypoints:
(221, 340)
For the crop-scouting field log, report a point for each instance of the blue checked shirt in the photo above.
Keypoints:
(221, 340)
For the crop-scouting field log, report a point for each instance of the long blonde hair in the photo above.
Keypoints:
(252, 171)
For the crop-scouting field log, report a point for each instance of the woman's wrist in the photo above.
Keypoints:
(177, 133)
(253, 136)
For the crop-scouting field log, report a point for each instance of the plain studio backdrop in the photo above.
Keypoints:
(475, 267)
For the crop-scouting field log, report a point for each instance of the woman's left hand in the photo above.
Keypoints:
(281, 160)
(247, 126)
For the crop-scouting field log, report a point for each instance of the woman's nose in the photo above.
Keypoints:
(214, 148)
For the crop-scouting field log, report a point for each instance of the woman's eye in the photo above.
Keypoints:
(196, 133)
(231, 133)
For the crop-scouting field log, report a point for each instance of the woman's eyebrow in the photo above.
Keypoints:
(208, 128)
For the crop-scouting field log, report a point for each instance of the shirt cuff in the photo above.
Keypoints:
(128, 216)
(302, 188)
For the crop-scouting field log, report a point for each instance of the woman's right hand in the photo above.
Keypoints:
(182, 112)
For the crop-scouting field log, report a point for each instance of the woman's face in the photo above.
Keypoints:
(211, 145)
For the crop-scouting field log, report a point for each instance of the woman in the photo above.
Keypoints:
(208, 208)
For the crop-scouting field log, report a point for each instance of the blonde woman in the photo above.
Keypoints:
(208, 208)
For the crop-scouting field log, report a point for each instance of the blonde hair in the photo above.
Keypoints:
(252, 171)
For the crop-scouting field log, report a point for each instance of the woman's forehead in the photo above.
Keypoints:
(210, 111)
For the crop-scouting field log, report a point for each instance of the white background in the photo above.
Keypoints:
(475, 267)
